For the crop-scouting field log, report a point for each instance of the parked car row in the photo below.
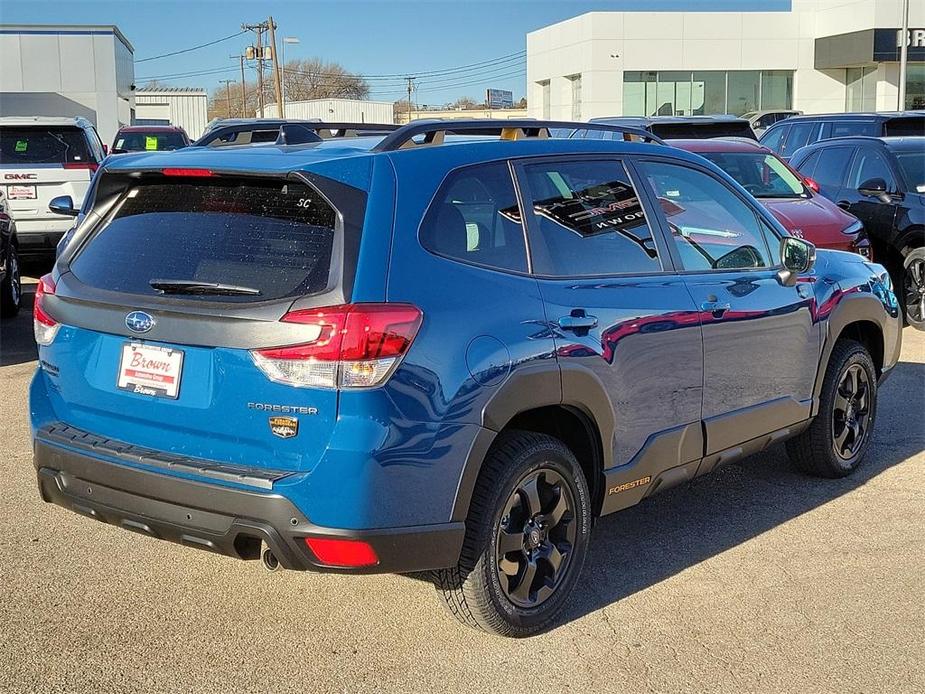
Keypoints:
(446, 348)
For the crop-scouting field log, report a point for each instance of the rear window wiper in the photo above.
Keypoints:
(197, 287)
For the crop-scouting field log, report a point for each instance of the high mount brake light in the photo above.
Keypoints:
(44, 326)
(91, 165)
(353, 346)
(199, 173)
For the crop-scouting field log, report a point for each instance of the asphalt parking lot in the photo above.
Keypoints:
(754, 579)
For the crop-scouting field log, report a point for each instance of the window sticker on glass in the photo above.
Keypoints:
(21, 145)
(150, 142)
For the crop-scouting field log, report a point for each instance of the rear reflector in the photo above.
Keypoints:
(187, 172)
(353, 346)
(334, 552)
(44, 326)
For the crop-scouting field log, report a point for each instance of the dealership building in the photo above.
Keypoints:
(67, 70)
(820, 56)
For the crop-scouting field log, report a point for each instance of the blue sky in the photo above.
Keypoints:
(371, 38)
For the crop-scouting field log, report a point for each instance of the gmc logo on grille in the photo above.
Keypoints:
(20, 177)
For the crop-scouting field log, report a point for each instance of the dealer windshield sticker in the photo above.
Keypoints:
(150, 142)
(21, 145)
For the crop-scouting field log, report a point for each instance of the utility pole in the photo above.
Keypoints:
(280, 106)
(243, 87)
(903, 57)
(227, 84)
(410, 89)
(258, 54)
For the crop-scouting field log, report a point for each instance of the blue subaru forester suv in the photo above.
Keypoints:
(445, 349)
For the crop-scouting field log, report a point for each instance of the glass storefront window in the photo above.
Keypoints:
(915, 87)
(705, 92)
(776, 89)
(708, 92)
(861, 89)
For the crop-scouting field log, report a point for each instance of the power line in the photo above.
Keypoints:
(187, 50)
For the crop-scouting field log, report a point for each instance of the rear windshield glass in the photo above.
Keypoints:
(702, 130)
(273, 239)
(904, 126)
(149, 142)
(35, 145)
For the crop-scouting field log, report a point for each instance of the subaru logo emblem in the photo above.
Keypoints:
(139, 322)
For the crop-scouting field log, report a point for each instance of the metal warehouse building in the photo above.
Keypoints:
(186, 107)
(820, 56)
(335, 110)
(67, 70)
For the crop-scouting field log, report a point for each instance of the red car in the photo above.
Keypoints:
(786, 194)
(149, 138)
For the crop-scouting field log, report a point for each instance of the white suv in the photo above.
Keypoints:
(43, 158)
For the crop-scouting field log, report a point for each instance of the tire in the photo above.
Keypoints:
(11, 287)
(912, 288)
(483, 591)
(815, 450)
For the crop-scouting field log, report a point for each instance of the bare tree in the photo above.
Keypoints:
(465, 103)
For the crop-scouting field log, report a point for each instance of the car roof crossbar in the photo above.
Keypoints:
(433, 132)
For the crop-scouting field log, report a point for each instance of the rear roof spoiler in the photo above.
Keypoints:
(434, 131)
(301, 133)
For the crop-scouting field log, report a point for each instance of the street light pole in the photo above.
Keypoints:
(903, 57)
(290, 40)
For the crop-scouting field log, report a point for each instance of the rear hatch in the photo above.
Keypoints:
(177, 312)
(702, 130)
(38, 163)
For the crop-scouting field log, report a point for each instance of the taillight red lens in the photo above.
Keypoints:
(186, 172)
(91, 165)
(356, 346)
(44, 326)
(335, 552)
(811, 184)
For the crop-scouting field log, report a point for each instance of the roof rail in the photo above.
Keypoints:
(434, 131)
(328, 130)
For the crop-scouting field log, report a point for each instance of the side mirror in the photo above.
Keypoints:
(796, 256)
(64, 205)
(875, 188)
(114, 150)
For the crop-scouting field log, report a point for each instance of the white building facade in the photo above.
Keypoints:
(335, 110)
(821, 56)
(67, 70)
(187, 107)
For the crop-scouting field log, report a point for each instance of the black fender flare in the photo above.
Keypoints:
(858, 307)
(531, 387)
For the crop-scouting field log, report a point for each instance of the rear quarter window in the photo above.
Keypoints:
(43, 145)
(275, 237)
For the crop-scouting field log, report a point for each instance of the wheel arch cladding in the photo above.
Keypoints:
(868, 334)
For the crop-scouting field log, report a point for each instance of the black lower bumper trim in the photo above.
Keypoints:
(224, 520)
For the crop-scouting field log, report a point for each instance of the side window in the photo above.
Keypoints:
(870, 164)
(808, 165)
(588, 220)
(853, 127)
(830, 170)
(475, 218)
(773, 138)
(711, 226)
(800, 135)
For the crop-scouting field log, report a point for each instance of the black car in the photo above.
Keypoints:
(787, 136)
(10, 282)
(881, 181)
(251, 131)
(675, 127)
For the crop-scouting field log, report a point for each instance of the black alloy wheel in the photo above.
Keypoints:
(535, 538)
(851, 412)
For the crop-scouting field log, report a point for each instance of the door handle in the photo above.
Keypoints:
(577, 321)
(844, 204)
(714, 307)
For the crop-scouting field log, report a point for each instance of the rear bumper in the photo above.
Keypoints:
(40, 236)
(224, 520)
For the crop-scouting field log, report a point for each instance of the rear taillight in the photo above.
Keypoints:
(44, 326)
(92, 166)
(354, 346)
(811, 184)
